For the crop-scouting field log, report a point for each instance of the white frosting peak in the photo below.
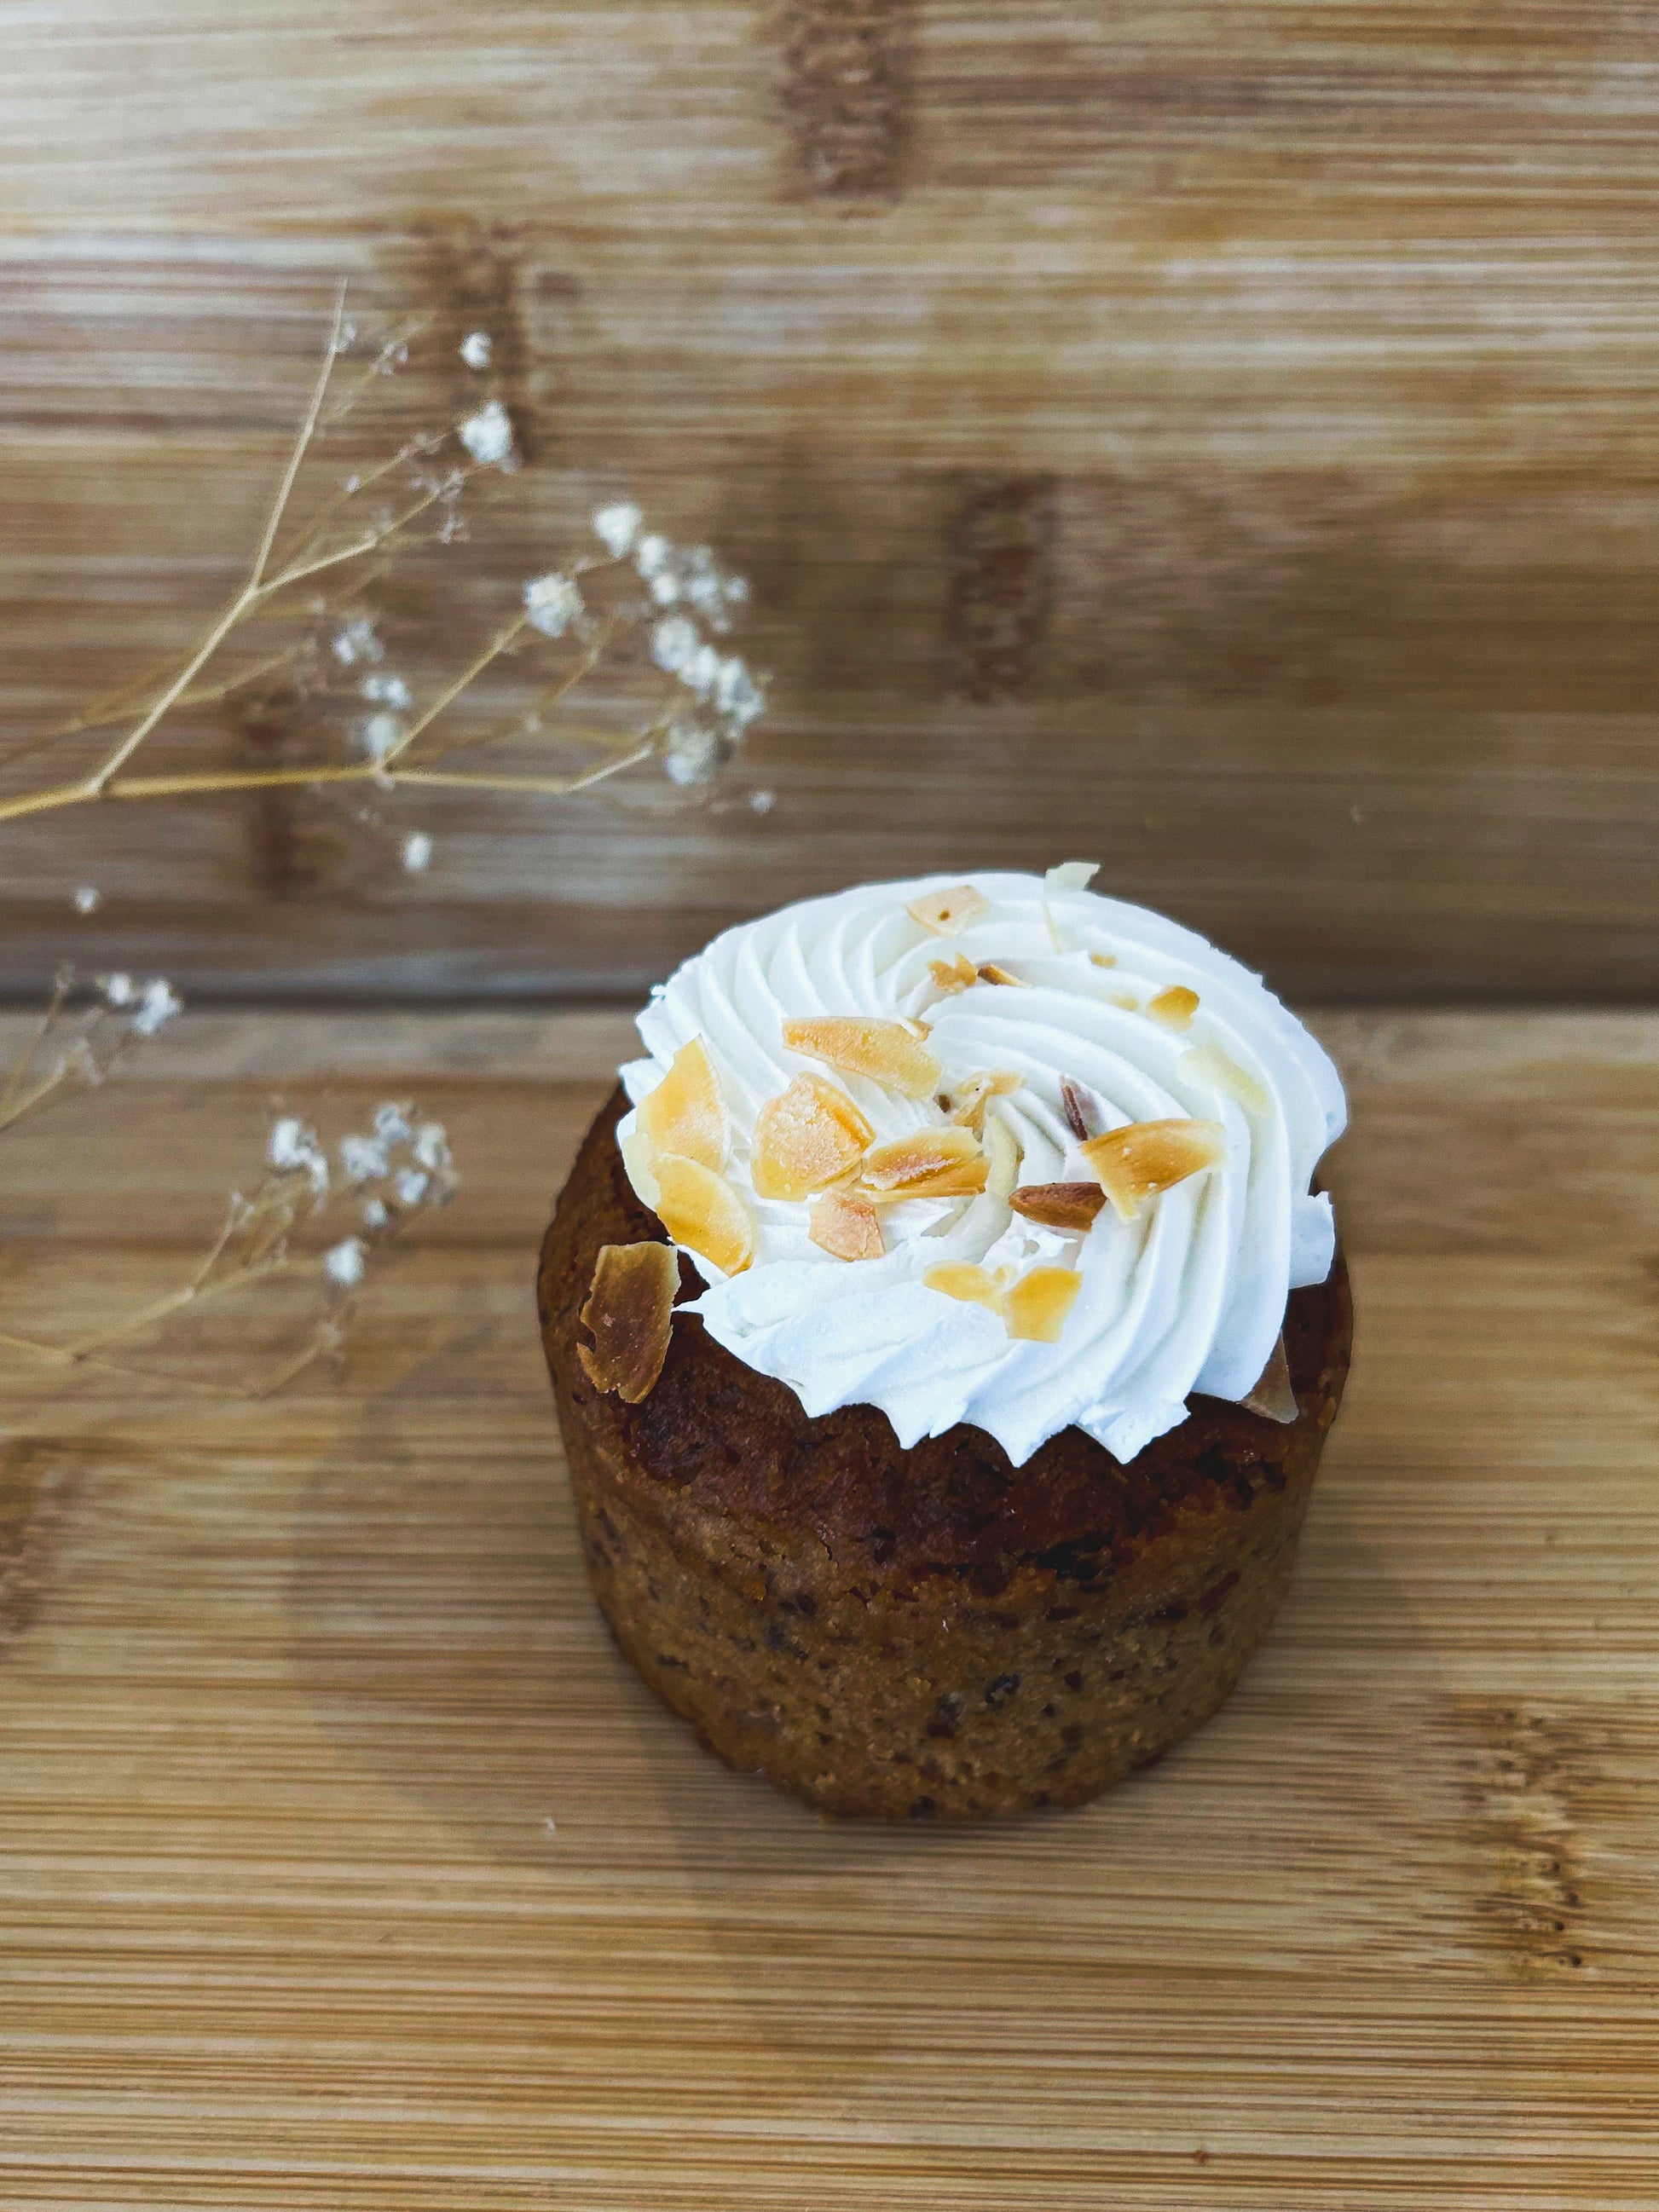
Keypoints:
(1188, 1295)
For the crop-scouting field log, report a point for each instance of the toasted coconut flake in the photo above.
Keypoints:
(1070, 1205)
(628, 1312)
(888, 1053)
(1070, 876)
(700, 1210)
(946, 912)
(1273, 1395)
(1208, 1064)
(1137, 1162)
(947, 1163)
(1127, 999)
(1104, 959)
(1083, 1115)
(846, 1225)
(1175, 1006)
(808, 1137)
(973, 1286)
(967, 1102)
(990, 972)
(1037, 1307)
(958, 972)
(638, 1154)
(686, 1114)
(917, 1029)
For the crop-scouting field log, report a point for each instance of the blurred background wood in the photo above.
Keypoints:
(1215, 438)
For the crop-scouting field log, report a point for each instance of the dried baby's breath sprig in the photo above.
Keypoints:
(379, 1180)
(86, 1028)
(678, 600)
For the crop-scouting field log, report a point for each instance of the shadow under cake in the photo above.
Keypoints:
(930, 1633)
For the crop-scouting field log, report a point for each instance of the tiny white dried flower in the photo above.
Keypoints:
(118, 989)
(476, 348)
(737, 694)
(411, 1186)
(665, 586)
(87, 898)
(551, 604)
(158, 1005)
(417, 852)
(343, 1263)
(356, 641)
(294, 1145)
(700, 671)
(693, 753)
(653, 554)
(380, 734)
(430, 1145)
(487, 435)
(617, 526)
(376, 1214)
(762, 802)
(351, 484)
(386, 691)
(392, 1124)
(362, 1158)
(736, 590)
(289, 1139)
(673, 641)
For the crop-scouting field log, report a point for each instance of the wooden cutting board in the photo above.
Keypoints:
(345, 1865)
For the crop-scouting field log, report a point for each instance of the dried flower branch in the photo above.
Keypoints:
(663, 609)
(383, 1177)
(669, 603)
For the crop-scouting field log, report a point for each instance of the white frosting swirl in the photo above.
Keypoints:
(1190, 1296)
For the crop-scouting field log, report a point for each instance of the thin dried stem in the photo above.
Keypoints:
(445, 699)
(43, 1029)
(301, 444)
(193, 1293)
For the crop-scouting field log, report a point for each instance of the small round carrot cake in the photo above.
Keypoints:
(945, 1330)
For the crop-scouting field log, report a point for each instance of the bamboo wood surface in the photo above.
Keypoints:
(346, 1865)
(1229, 430)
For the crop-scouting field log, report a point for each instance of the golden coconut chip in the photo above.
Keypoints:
(845, 1227)
(628, 1313)
(1069, 1206)
(1036, 1306)
(946, 912)
(700, 1210)
(686, 1114)
(973, 1286)
(989, 972)
(809, 1136)
(1208, 1064)
(889, 1052)
(638, 1157)
(947, 1163)
(1134, 1163)
(1175, 1006)
(1274, 1395)
(958, 972)
(1104, 959)
(969, 1101)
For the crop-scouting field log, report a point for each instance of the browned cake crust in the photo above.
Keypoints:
(923, 1632)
